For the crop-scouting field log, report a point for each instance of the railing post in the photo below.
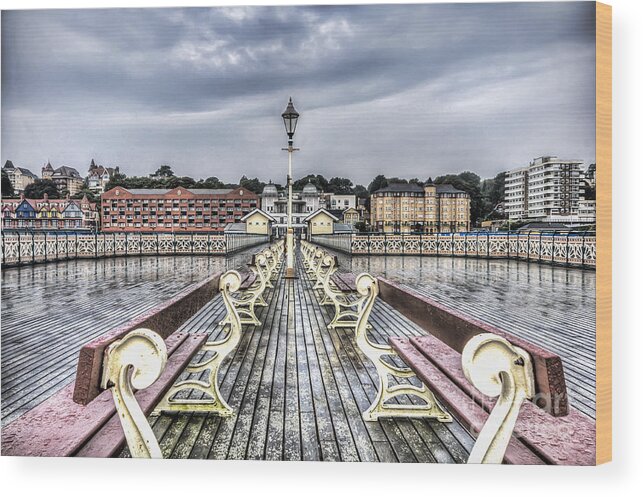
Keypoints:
(567, 250)
(76, 246)
(19, 249)
(33, 248)
(540, 247)
(528, 245)
(45, 246)
(582, 253)
(140, 244)
(553, 249)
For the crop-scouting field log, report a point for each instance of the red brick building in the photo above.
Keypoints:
(177, 210)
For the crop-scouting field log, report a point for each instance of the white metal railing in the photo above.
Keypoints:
(32, 247)
(571, 249)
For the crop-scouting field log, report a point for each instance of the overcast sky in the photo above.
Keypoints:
(403, 90)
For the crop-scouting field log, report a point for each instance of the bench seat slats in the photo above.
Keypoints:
(470, 414)
(344, 281)
(455, 329)
(59, 426)
(575, 434)
(109, 440)
(164, 319)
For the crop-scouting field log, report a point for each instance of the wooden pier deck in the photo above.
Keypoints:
(298, 391)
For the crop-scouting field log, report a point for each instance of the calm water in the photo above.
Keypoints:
(50, 310)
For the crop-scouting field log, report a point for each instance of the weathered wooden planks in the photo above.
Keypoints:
(299, 391)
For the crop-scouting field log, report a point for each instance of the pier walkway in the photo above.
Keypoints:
(299, 390)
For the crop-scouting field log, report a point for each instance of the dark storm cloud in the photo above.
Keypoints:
(407, 90)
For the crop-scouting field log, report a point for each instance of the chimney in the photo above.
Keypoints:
(45, 196)
(22, 196)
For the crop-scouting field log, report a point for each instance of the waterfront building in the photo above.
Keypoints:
(175, 210)
(411, 208)
(351, 216)
(364, 214)
(321, 222)
(590, 175)
(547, 189)
(341, 202)
(98, 177)
(304, 203)
(49, 214)
(20, 177)
(67, 179)
(587, 210)
(258, 222)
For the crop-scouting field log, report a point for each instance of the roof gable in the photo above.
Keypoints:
(318, 212)
(260, 212)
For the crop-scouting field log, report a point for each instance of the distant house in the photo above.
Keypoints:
(258, 222)
(351, 216)
(99, 176)
(321, 222)
(49, 214)
(20, 177)
(67, 179)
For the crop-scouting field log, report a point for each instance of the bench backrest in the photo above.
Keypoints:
(456, 329)
(164, 319)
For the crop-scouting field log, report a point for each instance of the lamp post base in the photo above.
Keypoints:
(290, 255)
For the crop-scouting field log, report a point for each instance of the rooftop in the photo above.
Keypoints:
(415, 188)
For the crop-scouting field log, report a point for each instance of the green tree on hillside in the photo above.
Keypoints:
(7, 187)
(38, 188)
(164, 171)
(340, 186)
(378, 183)
(254, 184)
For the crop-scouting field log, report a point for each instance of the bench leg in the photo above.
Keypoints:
(134, 362)
(212, 401)
(387, 391)
(368, 288)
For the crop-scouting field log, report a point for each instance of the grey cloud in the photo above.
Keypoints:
(412, 90)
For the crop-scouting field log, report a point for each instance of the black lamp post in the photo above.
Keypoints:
(290, 117)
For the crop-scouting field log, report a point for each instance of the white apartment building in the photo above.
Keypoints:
(335, 201)
(587, 210)
(304, 203)
(548, 188)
